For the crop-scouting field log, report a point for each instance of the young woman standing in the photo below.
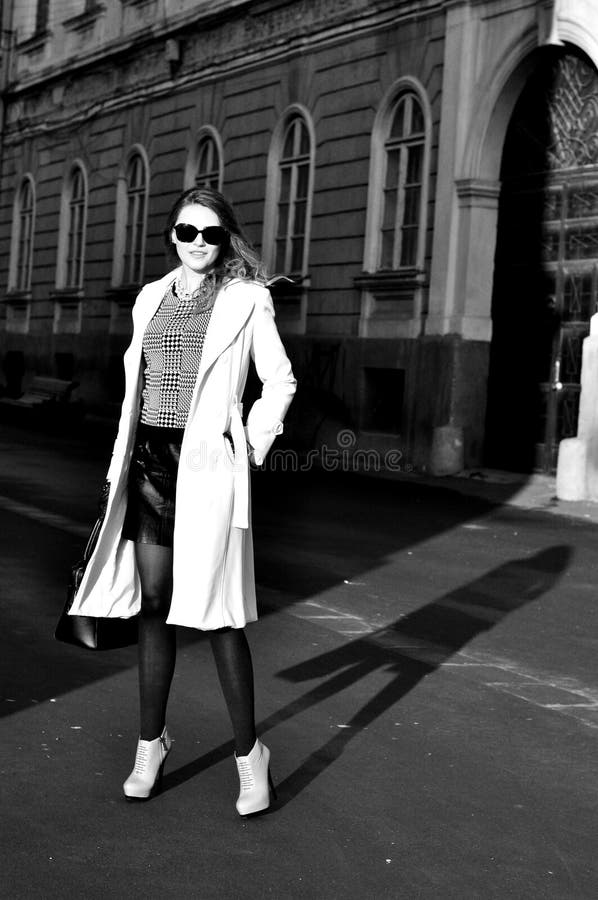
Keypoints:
(176, 541)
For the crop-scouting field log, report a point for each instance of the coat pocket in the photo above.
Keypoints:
(229, 446)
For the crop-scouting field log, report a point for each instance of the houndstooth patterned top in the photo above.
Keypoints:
(172, 347)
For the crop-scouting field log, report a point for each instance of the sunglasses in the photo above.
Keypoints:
(212, 234)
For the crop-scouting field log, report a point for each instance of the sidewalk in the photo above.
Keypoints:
(526, 491)
(425, 663)
(535, 491)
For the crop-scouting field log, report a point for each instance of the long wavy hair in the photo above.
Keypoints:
(237, 257)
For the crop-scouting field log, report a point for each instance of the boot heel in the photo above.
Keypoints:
(271, 786)
(145, 781)
(254, 780)
(157, 788)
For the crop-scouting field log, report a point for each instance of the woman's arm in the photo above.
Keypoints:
(118, 450)
(265, 418)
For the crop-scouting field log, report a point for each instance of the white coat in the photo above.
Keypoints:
(213, 576)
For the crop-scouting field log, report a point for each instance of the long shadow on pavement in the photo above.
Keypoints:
(312, 530)
(413, 647)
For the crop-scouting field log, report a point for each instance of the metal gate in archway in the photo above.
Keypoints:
(546, 267)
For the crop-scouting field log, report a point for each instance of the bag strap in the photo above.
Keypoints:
(92, 540)
(95, 531)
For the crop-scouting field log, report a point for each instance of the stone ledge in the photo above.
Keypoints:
(83, 20)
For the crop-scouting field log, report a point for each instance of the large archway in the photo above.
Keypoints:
(546, 272)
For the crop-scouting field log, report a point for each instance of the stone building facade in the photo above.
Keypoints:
(376, 152)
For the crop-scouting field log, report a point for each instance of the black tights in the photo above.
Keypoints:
(157, 654)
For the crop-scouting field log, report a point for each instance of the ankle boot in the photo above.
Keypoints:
(146, 778)
(255, 780)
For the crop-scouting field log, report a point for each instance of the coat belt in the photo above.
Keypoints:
(240, 468)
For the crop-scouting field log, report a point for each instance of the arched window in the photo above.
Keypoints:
(22, 237)
(402, 212)
(204, 164)
(287, 219)
(136, 218)
(393, 282)
(294, 194)
(73, 221)
(77, 209)
(208, 163)
(132, 193)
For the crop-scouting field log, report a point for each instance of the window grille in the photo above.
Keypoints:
(76, 229)
(136, 178)
(208, 163)
(403, 185)
(24, 224)
(293, 199)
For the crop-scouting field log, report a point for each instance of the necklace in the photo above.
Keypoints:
(203, 294)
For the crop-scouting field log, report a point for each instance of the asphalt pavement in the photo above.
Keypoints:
(426, 682)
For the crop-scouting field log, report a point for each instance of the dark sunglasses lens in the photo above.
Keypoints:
(186, 233)
(214, 234)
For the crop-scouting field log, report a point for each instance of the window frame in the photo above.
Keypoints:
(393, 300)
(290, 298)
(67, 238)
(276, 161)
(17, 263)
(406, 147)
(293, 164)
(206, 132)
(380, 142)
(122, 258)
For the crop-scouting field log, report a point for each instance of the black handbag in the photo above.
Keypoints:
(92, 632)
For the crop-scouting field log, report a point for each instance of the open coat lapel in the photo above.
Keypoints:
(154, 295)
(231, 310)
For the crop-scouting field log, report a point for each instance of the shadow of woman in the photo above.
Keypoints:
(412, 646)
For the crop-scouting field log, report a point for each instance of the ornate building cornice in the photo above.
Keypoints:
(212, 45)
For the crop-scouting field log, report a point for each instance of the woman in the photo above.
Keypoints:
(176, 542)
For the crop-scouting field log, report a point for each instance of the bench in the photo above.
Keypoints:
(42, 391)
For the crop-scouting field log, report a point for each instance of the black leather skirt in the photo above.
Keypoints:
(151, 493)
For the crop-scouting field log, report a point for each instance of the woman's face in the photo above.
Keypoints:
(196, 255)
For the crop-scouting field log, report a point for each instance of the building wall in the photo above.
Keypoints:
(98, 82)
